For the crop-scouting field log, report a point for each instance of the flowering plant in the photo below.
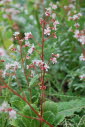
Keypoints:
(32, 76)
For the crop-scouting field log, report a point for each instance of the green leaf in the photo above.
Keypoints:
(33, 81)
(50, 117)
(50, 106)
(17, 102)
(66, 109)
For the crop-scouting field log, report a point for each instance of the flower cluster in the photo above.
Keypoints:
(70, 6)
(54, 58)
(75, 17)
(51, 26)
(13, 66)
(6, 108)
(28, 35)
(41, 64)
(80, 36)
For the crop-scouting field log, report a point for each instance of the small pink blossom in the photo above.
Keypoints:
(47, 31)
(41, 64)
(76, 25)
(43, 87)
(54, 6)
(79, 14)
(75, 17)
(38, 62)
(54, 35)
(82, 39)
(42, 21)
(77, 34)
(4, 106)
(70, 18)
(53, 15)
(53, 59)
(27, 57)
(2, 52)
(56, 23)
(14, 66)
(30, 51)
(30, 66)
(71, 6)
(12, 114)
(28, 35)
(82, 76)
(46, 67)
(8, 66)
(55, 55)
(48, 12)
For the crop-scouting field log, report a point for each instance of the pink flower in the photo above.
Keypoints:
(42, 21)
(8, 66)
(43, 87)
(48, 12)
(79, 14)
(41, 64)
(82, 76)
(28, 57)
(55, 55)
(53, 59)
(27, 44)
(70, 18)
(2, 52)
(47, 31)
(37, 62)
(14, 66)
(46, 67)
(30, 66)
(56, 23)
(54, 35)
(82, 39)
(4, 106)
(12, 114)
(71, 6)
(76, 25)
(28, 35)
(30, 51)
(53, 15)
(75, 17)
(54, 6)
(77, 34)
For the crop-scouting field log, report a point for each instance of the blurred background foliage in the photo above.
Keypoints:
(63, 79)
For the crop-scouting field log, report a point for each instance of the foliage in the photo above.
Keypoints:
(65, 91)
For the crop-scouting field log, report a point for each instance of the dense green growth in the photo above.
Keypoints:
(64, 105)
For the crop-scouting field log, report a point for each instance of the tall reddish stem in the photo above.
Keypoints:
(24, 99)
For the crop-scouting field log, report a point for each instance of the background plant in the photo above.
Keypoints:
(63, 83)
